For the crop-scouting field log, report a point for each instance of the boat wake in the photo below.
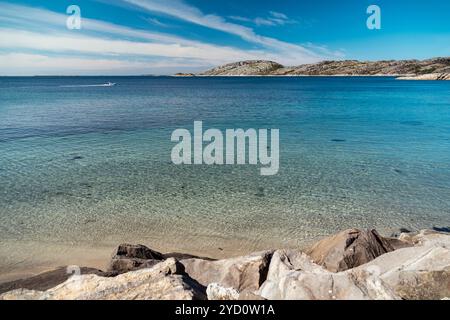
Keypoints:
(108, 84)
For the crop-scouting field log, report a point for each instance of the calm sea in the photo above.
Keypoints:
(85, 166)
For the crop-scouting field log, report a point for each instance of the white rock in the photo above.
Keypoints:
(216, 292)
(163, 281)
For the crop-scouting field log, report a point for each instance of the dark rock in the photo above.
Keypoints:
(128, 257)
(349, 249)
(260, 192)
(180, 256)
(442, 229)
(338, 140)
(396, 233)
(138, 251)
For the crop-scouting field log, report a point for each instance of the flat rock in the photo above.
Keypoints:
(241, 273)
(349, 249)
(415, 273)
(426, 238)
(429, 76)
(164, 281)
(45, 280)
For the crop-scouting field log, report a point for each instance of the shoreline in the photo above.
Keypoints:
(43, 256)
(292, 75)
(341, 258)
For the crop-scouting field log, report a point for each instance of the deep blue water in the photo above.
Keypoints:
(85, 166)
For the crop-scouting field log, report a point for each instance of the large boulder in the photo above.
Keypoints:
(294, 276)
(129, 257)
(419, 272)
(415, 273)
(241, 273)
(349, 249)
(164, 281)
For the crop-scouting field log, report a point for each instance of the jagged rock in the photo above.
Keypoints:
(349, 249)
(215, 291)
(292, 275)
(420, 272)
(128, 257)
(164, 281)
(240, 273)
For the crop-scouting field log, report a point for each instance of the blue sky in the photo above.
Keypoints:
(167, 36)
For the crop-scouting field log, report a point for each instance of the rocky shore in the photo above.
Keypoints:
(353, 264)
(430, 69)
(431, 76)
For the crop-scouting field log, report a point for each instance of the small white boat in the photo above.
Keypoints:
(109, 84)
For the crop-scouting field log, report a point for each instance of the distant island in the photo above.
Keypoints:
(430, 69)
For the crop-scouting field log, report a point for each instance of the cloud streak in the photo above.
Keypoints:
(43, 34)
(274, 19)
(290, 53)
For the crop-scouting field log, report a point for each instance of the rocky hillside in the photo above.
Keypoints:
(245, 68)
(438, 66)
(353, 264)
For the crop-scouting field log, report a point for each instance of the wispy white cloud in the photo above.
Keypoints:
(44, 30)
(278, 15)
(42, 21)
(156, 22)
(42, 37)
(288, 52)
(64, 42)
(273, 19)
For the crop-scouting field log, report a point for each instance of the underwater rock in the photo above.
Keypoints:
(338, 140)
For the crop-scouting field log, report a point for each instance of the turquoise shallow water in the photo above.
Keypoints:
(88, 167)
